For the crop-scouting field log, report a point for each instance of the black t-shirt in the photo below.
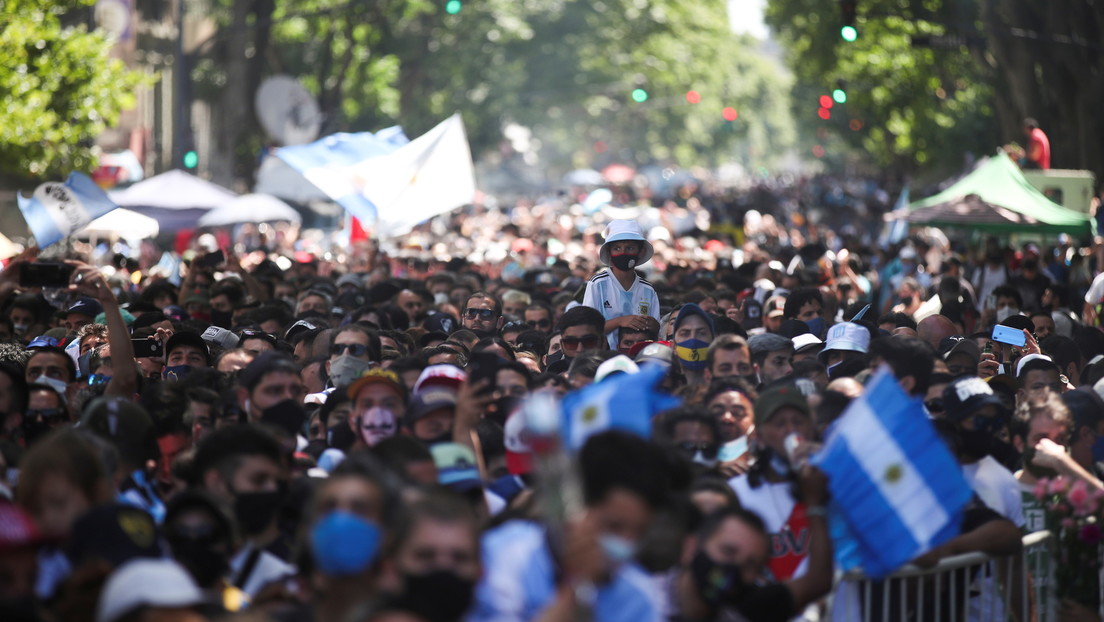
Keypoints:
(766, 603)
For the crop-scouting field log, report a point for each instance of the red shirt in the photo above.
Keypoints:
(1037, 137)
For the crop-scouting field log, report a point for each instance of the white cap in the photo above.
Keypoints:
(444, 375)
(618, 364)
(623, 230)
(146, 583)
(806, 340)
(846, 336)
(1027, 359)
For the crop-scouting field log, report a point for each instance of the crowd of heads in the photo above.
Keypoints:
(293, 438)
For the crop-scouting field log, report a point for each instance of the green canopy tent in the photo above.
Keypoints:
(995, 197)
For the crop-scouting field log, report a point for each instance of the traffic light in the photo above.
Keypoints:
(730, 114)
(693, 97)
(639, 96)
(824, 113)
(839, 96)
(826, 102)
(452, 7)
(848, 9)
(191, 159)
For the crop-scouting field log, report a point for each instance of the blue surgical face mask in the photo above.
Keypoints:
(692, 353)
(176, 372)
(618, 550)
(344, 544)
(816, 326)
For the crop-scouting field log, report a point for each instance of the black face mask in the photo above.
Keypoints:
(624, 261)
(342, 437)
(718, 584)
(315, 447)
(438, 596)
(222, 319)
(256, 510)
(976, 443)
(287, 415)
(206, 565)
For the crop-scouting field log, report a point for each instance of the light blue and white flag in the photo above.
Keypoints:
(389, 185)
(899, 488)
(621, 402)
(57, 210)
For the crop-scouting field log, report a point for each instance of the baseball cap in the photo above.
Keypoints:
(128, 318)
(619, 364)
(42, 341)
(440, 323)
(768, 342)
(792, 328)
(519, 454)
(622, 230)
(86, 306)
(660, 352)
(220, 337)
(456, 466)
(774, 306)
(429, 400)
(147, 583)
(953, 345)
(187, 338)
(115, 533)
(846, 336)
(778, 397)
(449, 376)
(806, 343)
(376, 376)
(1027, 359)
(350, 279)
(298, 327)
(966, 395)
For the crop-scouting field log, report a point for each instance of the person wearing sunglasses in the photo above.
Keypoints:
(538, 316)
(481, 315)
(353, 349)
(623, 298)
(695, 434)
(581, 328)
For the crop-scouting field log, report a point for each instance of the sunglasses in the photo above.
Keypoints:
(356, 349)
(708, 451)
(539, 323)
(483, 314)
(588, 341)
(49, 415)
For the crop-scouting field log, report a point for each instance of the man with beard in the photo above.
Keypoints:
(243, 467)
(978, 417)
(481, 315)
(1036, 420)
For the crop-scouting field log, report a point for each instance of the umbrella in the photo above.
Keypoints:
(250, 208)
(584, 177)
(175, 199)
(122, 223)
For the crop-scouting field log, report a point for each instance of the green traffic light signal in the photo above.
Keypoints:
(840, 96)
(639, 96)
(191, 159)
(452, 7)
(848, 33)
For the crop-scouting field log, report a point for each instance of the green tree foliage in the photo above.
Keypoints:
(564, 68)
(915, 96)
(58, 90)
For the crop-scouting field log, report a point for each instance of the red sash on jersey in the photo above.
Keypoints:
(790, 545)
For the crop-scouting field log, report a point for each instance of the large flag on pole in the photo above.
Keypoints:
(623, 402)
(391, 188)
(57, 210)
(899, 488)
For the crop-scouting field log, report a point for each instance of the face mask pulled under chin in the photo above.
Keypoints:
(56, 384)
(345, 368)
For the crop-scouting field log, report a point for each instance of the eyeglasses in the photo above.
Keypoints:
(935, 405)
(483, 314)
(545, 323)
(356, 349)
(586, 341)
(708, 450)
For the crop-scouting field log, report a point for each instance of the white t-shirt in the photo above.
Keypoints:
(997, 488)
(605, 294)
(1095, 295)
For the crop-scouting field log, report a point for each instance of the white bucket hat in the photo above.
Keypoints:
(620, 231)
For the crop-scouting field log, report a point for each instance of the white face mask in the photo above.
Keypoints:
(1004, 313)
(441, 298)
(20, 328)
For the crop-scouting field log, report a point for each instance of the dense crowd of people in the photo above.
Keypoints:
(343, 435)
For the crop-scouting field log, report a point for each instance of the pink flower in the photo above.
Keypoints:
(1090, 534)
(1080, 499)
(1057, 485)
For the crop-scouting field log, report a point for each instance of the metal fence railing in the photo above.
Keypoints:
(970, 587)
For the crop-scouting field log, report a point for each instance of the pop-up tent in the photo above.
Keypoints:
(175, 199)
(995, 197)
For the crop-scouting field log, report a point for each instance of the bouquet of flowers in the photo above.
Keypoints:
(1073, 515)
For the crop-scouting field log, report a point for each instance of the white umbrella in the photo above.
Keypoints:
(123, 223)
(253, 208)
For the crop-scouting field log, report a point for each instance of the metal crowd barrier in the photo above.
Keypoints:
(972, 587)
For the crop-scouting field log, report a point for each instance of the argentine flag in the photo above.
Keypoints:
(387, 183)
(57, 210)
(900, 490)
(622, 402)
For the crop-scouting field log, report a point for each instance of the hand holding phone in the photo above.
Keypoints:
(1009, 336)
(484, 365)
(146, 348)
(45, 274)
